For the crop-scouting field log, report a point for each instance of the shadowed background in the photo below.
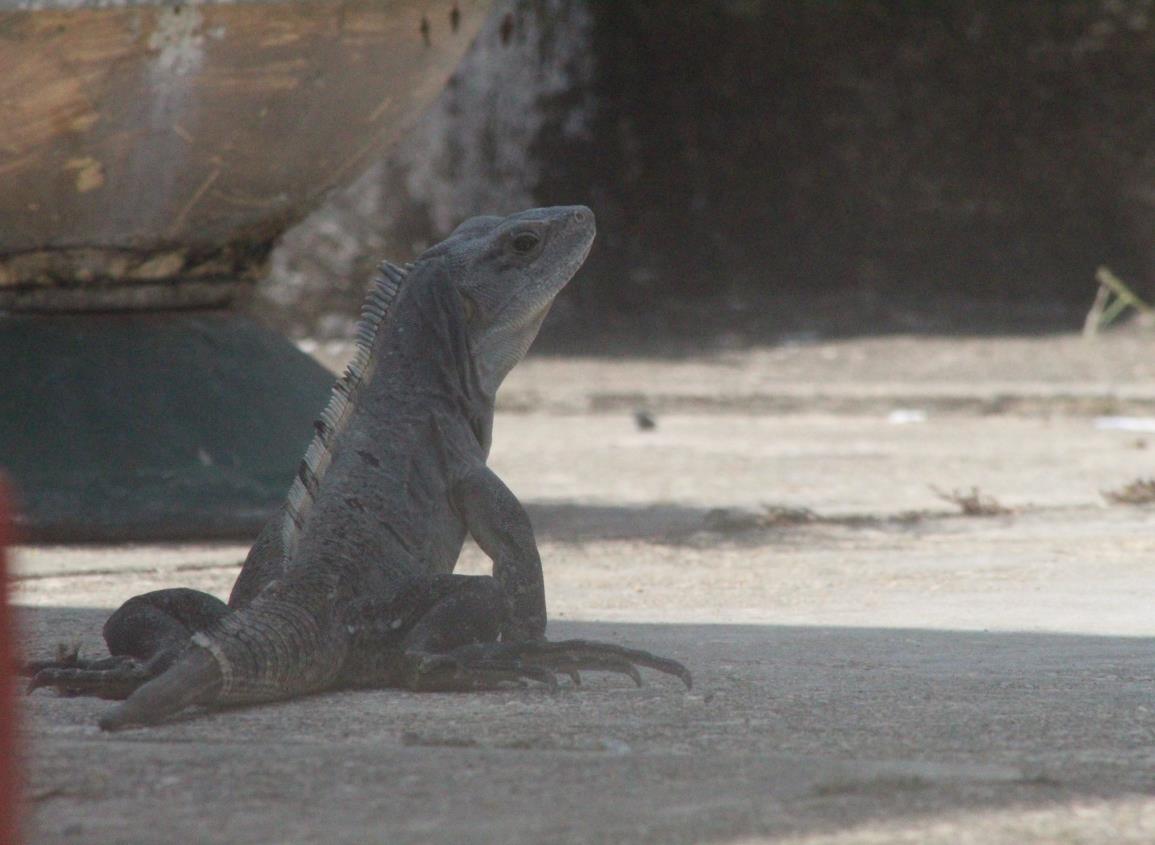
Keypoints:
(852, 166)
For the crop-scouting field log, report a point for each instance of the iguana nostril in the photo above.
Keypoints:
(581, 216)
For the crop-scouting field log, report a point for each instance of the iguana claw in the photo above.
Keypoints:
(114, 681)
(67, 655)
(471, 671)
(569, 657)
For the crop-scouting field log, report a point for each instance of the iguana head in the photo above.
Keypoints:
(506, 272)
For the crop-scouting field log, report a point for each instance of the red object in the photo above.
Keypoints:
(9, 778)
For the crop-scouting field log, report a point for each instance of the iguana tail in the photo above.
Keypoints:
(271, 649)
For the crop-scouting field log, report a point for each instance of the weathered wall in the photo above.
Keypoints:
(154, 166)
(476, 151)
(982, 149)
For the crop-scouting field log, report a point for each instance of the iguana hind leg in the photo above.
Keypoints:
(144, 636)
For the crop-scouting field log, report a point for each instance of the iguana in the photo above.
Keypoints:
(350, 584)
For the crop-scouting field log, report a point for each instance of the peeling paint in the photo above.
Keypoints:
(161, 266)
(89, 173)
(83, 122)
(178, 40)
(142, 128)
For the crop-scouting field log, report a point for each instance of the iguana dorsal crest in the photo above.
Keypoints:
(378, 303)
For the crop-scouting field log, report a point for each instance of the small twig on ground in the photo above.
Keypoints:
(1141, 491)
(786, 515)
(974, 503)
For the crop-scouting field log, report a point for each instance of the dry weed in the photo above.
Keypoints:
(974, 503)
(1141, 491)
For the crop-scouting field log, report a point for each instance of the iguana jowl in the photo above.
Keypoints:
(350, 584)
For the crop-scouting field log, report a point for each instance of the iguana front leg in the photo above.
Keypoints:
(439, 634)
(501, 527)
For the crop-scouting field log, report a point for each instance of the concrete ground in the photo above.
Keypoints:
(872, 665)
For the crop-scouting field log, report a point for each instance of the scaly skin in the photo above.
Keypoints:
(351, 584)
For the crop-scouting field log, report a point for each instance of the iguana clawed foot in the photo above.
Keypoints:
(67, 656)
(111, 677)
(451, 673)
(488, 665)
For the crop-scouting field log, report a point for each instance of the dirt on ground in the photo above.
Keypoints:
(874, 660)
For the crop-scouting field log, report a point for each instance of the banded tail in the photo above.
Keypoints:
(272, 649)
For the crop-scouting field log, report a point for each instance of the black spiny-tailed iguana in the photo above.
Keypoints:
(350, 585)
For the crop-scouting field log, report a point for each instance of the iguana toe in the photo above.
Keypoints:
(475, 668)
(118, 681)
(583, 655)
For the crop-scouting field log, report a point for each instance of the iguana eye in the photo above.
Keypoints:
(468, 307)
(525, 242)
